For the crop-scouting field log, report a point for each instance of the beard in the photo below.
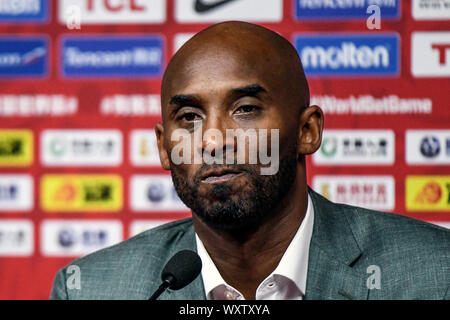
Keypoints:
(247, 209)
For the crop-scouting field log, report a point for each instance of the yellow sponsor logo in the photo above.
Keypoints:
(428, 193)
(93, 193)
(16, 148)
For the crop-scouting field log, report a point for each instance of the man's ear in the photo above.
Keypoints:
(163, 155)
(310, 130)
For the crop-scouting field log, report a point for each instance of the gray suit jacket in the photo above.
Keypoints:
(355, 253)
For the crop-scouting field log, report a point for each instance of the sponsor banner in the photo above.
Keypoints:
(200, 11)
(16, 148)
(81, 193)
(180, 39)
(16, 192)
(78, 237)
(367, 104)
(112, 11)
(373, 192)
(351, 54)
(31, 105)
(428, 147)
(139, 226)
(430, 54)
(144, 148)
(81, 147)
(428, 193)
(23, 57)
(131, 105)
(112, 56)
(154, 193)
(356, 147)
(24, 11)
(431, 9)
(16, 237)
(349, 9)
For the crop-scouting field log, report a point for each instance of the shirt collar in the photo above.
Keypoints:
(293, 264)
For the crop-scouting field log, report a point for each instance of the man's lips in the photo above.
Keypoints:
(220, 176)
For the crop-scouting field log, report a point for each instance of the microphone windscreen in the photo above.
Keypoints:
(184, 267)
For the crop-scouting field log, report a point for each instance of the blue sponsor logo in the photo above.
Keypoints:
(24, 11)
(348, 9)
(156, 192)
(430, 147)
(68, 238)
(23, 57)
(349, 54)
(112, 56)
(8, 192)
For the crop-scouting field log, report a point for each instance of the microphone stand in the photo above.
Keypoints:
(167, 283)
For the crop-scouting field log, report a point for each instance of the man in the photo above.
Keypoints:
(260, 236)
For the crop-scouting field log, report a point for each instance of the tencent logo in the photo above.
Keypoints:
(112, 56)
(349, 9)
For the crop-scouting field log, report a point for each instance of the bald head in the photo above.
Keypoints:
(239, 49)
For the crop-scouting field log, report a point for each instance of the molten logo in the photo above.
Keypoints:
(349, 54)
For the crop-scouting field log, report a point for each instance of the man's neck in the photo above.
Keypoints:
(244, 260)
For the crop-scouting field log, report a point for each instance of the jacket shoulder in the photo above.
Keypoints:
(413, 256)
(392, 227)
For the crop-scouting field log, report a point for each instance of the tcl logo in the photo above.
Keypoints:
(430, 54)
(113, 11)
(116, 5)
(442, 48)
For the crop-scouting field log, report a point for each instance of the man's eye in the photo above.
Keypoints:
(247, 109)
(190, 116)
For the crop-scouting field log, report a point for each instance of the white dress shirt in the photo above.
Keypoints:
(286, 282)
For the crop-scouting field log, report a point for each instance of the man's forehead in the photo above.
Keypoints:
(219, 67)
(233, 52)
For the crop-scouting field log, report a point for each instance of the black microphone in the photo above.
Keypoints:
(181, 270)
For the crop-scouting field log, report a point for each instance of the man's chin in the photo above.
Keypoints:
(227, 215)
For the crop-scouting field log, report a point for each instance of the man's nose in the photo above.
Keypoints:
(215, 136)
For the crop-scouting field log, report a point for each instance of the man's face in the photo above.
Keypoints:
(223, 90)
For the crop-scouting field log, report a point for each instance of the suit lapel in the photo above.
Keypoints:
(195, 290)
(332, 254)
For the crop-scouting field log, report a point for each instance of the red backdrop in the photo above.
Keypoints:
(27, 270)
